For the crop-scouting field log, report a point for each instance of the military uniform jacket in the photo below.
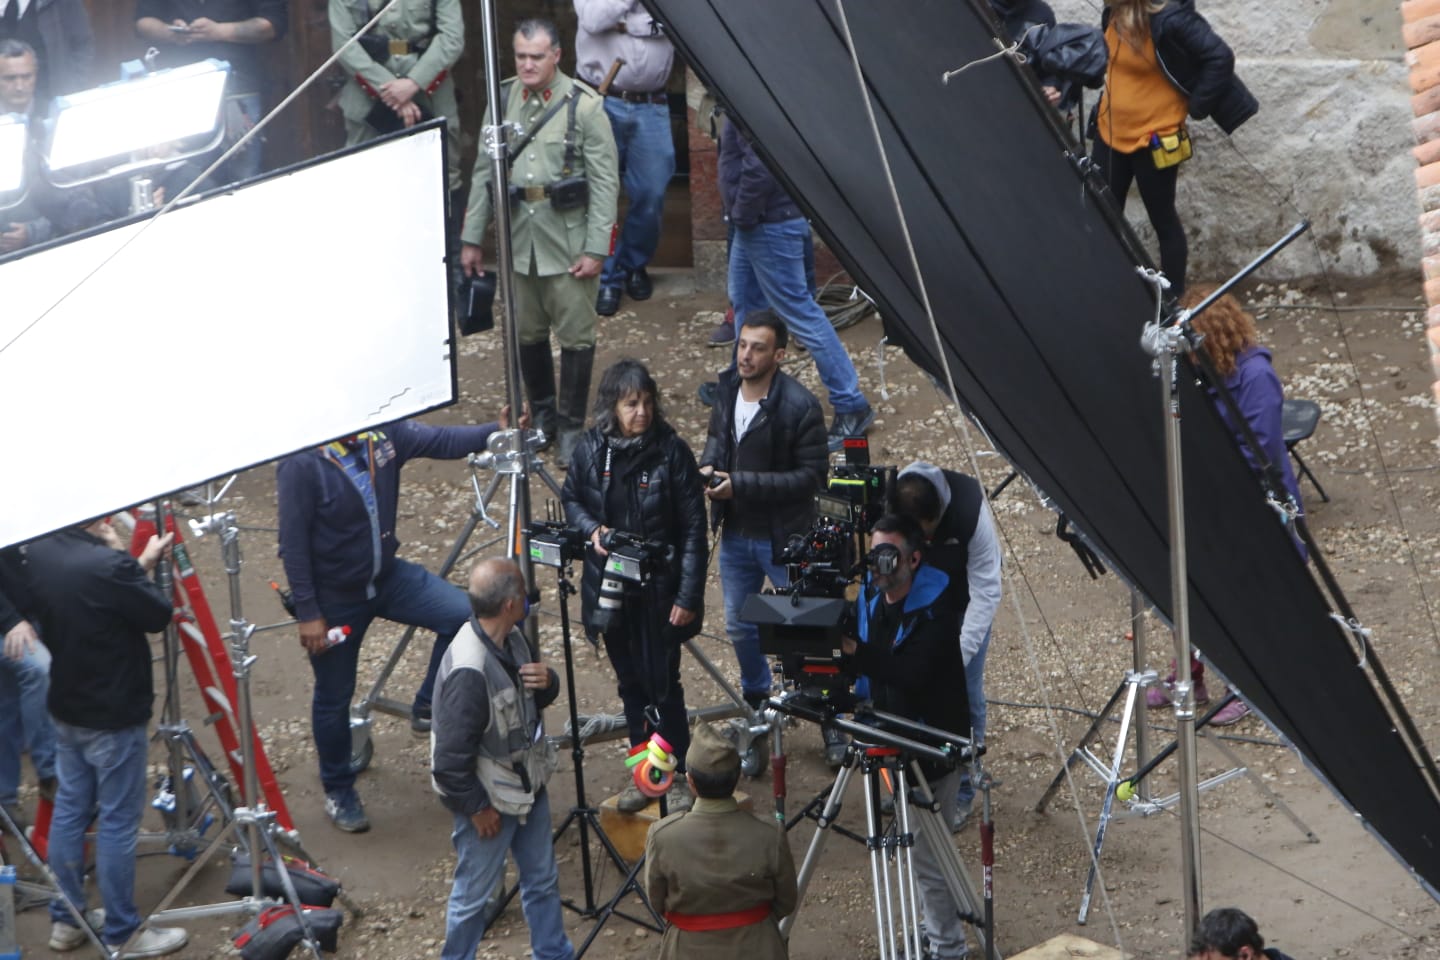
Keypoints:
(543, 239)
(408, 21)
(717, 858)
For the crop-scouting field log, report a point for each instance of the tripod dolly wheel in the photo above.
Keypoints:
(362, 751)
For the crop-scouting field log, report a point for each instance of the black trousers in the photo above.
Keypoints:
(1157, 192)
(648, 671)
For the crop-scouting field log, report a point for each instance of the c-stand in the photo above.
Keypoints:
(504, 455)
(254, 825)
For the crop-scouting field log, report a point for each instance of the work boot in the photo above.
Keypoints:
(575, 369)
(537, 372)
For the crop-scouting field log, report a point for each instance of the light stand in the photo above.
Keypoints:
(495, 141)
(254, 824)
(1165, 343)
(504, 456)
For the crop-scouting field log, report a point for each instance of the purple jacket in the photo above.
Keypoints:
(1257, 392)
(748, 190)
(330, 548)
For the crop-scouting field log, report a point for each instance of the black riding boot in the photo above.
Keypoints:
(575, 368)
(537, 372)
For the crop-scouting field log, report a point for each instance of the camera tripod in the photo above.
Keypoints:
(503, 456)
(886, 750)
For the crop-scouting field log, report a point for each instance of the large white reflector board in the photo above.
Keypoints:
(227, 333)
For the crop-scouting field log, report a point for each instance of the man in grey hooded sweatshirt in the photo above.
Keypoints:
(960, 540)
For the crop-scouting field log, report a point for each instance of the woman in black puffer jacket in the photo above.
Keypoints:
(632, 473)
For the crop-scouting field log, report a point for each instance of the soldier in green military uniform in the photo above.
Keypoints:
(401, 68)
(721, 877)
(564, 182)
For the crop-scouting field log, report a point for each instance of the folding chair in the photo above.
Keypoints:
(1298, 419)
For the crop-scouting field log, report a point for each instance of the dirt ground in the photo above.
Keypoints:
(1059, 639)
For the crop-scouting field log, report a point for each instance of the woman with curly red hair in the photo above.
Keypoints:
(1232, 345)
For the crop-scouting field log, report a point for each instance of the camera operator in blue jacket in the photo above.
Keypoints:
(909, 665)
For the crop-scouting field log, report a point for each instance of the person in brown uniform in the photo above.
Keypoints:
(720, 876)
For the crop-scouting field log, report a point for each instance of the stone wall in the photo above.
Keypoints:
(1332, 139)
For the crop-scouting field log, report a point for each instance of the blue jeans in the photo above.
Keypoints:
(24, 719)
(744, 565)
(647, 162)
(479, 865)
(975, 692)
(767, 269)
(408, 594)
(102, 769)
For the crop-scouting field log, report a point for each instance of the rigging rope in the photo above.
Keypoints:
(975, 464)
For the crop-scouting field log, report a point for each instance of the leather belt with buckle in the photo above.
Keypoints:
(399, 48)
(659, 96)
(533, 194)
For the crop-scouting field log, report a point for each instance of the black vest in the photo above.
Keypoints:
(949, 548)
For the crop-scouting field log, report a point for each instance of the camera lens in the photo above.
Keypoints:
(612, 593)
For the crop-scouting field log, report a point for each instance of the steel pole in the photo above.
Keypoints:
(496, 143)
(1180, 619)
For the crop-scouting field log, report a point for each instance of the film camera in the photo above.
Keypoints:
(631, 560)
(802, 625)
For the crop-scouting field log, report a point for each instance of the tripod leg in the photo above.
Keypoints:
(76, 910)
(1270, 795)
(817, 843)
(1078, 752)
(291, 842)
(909, 909)
(879, 876)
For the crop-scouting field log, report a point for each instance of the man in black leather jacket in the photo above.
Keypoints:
(765, 456)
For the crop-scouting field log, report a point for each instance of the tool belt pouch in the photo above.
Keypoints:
(275, 931)
(376, 46)
(570, 193)
(1171, 149)
(311, 886)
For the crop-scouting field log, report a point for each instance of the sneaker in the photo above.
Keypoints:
(836, 745)
(66, 936)
(1163, 694)
(678, 798)
(723, 335)
(345, 810)
(420, 721)
(631, 800)
(157, 942)
(963, 809)
(852, 424)
(1233, 712)
(707, 392)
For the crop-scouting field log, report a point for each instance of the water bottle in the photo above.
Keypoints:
(336, 636)
(9, 943)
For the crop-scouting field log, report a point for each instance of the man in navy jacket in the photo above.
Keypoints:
(337, 506)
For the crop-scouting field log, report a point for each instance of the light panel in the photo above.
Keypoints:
(121, 118)
(208, 340)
